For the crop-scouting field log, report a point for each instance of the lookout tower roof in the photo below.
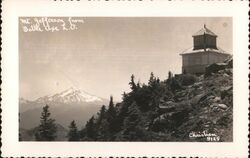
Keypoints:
(203, 31)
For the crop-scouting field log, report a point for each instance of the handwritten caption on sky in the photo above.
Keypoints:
(48, 24)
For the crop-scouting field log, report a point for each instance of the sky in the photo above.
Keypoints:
(100, 56)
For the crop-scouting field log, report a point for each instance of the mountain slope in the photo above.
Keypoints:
(68, 105)
(185, 107)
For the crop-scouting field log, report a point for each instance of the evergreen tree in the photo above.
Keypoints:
(170, 75)
(47, 128)
(174, 84)
(152, 80)
(111, 112)
(123, 109)
(90, 129)
(111, 116)
(101, 115)
(132, 83)
(124, 96)
(157, 80)
(73, 134)
(111, 103)
(103, 131)
(138, 85)
(131, 127)
(133, 118)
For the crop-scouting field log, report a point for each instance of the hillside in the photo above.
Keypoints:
(183, 107)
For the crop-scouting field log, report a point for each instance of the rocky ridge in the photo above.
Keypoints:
(206, 106)
(184, 107)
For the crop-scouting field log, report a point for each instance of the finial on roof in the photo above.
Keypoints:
(203, 31)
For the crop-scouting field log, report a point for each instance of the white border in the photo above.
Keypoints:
(12, 9)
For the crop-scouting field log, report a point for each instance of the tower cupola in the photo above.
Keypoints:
(204, 38)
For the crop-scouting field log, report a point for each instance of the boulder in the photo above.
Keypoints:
(201, 98)
(225, 75)
(214, 68)
(222, 106)
(170, 102)
(216, 99)
(163, 117)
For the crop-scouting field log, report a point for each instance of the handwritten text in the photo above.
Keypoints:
(49, 24)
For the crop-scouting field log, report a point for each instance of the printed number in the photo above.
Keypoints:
(213, 139)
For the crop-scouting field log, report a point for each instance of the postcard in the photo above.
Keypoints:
(99, 78)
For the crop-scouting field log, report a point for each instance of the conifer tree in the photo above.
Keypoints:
(132, 83)
(158, 80)
(90, 129)
(111, 112)
(152, 80)
(174, 85)
(103, 130)
(73, 134)
(101, 115)
(111, 103)
(124, 96)
(111, 116)
(47, 128)
(169, 80)
(170, 75)
(131, 122)
(138, 85)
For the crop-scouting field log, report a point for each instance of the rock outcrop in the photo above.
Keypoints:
(208, 104)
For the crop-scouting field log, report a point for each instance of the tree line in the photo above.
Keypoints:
(129, 120)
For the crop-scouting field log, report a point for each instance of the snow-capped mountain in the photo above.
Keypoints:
(70, 104)
(69, 96)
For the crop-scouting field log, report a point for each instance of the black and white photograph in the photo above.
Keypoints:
(126, 79)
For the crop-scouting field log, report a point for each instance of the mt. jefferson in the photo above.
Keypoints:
(69, 96)
(70, 104)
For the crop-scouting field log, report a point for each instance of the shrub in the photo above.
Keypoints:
(187, 79)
